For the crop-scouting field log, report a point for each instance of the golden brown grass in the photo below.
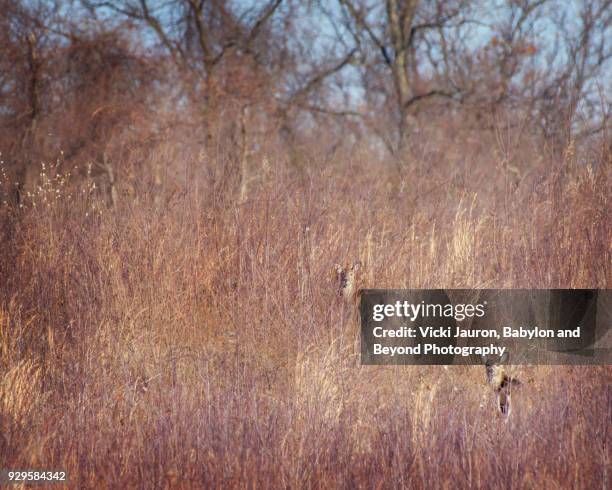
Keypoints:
(191, 341)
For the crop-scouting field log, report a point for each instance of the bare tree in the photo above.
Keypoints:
(573, 100)
(232, 60)
(392, 39)
(539, 59)
(24, 60)
(65, 92)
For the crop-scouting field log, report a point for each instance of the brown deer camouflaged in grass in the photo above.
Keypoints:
(500, 381)
(348, 280)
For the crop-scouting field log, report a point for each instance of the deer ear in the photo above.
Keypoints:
(504, 357)
(338, 268)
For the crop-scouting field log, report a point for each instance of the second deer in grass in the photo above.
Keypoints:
(348, 280)
(500, 381)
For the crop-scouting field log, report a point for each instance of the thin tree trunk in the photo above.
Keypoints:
(400, 22)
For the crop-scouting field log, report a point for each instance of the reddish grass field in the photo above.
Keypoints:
(186, 339)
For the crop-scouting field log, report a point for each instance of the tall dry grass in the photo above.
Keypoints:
(184, 339)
